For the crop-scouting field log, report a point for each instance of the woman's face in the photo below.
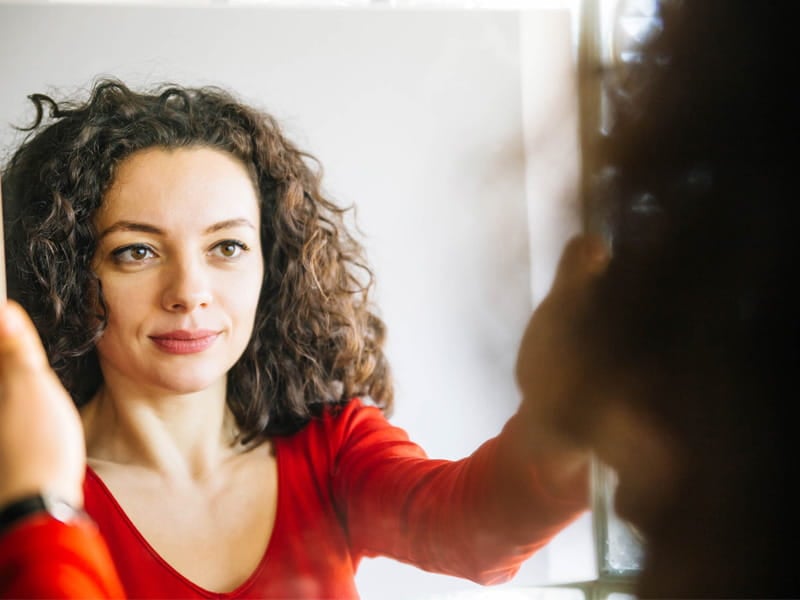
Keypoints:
(179, 259)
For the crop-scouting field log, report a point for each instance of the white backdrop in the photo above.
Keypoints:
(451, 131)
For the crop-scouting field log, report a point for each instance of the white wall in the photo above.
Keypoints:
(418, 120)
(552, 169)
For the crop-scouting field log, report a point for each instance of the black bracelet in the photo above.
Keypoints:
(19, 510)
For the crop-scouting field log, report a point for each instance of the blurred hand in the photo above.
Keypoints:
(549, 363)
(41, 438)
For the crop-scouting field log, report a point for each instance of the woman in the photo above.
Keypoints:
(691, 336)
(205, 307)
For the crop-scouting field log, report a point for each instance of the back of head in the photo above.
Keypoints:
(700, 192)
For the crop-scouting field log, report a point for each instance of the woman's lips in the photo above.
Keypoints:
(185, 342)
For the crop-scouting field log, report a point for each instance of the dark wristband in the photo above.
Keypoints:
(17, 511)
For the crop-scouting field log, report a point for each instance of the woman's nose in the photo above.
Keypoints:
(187, 286)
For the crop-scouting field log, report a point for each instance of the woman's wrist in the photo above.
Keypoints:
(18, 510)
(561, 464)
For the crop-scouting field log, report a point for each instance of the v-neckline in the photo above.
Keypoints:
(239, 590)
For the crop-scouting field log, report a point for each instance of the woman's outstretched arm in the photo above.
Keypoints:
(43, 554)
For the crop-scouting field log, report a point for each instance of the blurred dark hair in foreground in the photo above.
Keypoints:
(696, 311)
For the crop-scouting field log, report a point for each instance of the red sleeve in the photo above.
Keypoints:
(478, 518)
(44, 558)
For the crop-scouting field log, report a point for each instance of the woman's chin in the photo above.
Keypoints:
(187, 384)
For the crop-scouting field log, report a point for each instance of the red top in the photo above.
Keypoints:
(44, 558)
(352, 485)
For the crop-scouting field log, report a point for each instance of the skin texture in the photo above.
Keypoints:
(182, 275)
(549, 358)
(41, 442)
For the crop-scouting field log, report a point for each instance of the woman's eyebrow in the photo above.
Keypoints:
(230, 223)
(130, 226)
(147, 228)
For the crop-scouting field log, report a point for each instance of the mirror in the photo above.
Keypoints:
(453, 132)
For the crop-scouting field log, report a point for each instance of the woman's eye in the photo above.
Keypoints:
(230, 248)
(132, 254)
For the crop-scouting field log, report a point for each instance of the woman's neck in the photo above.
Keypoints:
(181, 436)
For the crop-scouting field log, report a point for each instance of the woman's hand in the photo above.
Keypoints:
(41, 438)
(550, 364)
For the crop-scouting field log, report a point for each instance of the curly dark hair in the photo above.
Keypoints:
(316, 340)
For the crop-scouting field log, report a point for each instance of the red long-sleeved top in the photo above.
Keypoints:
(44, 558)
(352, 485)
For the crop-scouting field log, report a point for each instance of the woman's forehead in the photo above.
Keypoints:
(177, 186)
